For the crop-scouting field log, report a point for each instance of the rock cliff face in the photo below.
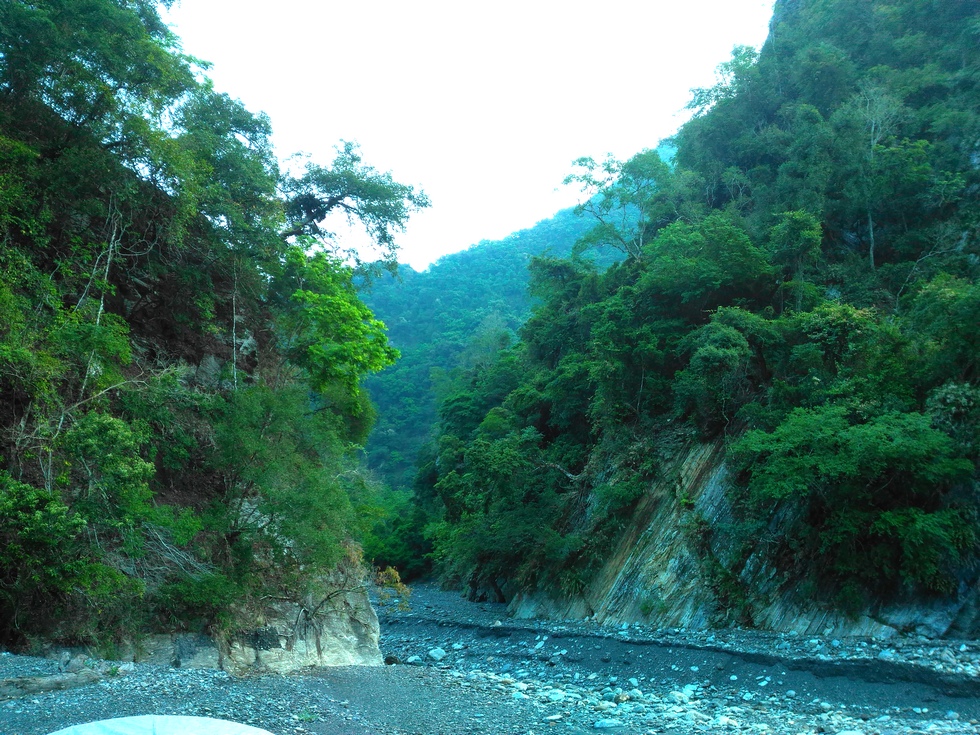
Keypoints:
(346, 633)
(678, 564)
(341, 630)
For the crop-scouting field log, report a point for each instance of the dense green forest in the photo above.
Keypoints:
(184, 348)
(450, 316)
(181, 339)
(453, 316)
(798, 283)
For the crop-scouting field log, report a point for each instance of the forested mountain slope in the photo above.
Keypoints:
(454, 314)
(800, 291)
(181, 346)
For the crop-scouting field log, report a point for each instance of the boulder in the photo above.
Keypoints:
(341, 631)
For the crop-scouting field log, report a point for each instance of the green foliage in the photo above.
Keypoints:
(705, 265)
(621, 198)
(49, 570)
(832, 446)
(618, 497)
(181, 340)
(208, 597)
(459, 312)
(715, 382)
(795, 244)
(955, 410)
(943, 313)
(40, 538)
(357, 191)
(333, 335)
(279, 455)
(398, 540)
(800, 282)
(732, 79)
(871, 484)
(103, 467)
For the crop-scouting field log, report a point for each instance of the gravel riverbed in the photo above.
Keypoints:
(466, 668)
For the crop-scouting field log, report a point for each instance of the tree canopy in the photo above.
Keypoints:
(798, 285)
(181, 340)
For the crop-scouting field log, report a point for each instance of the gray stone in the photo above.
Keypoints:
(76, 664)
(606, 723)
(336, 626)
(196, 652)
(663, 560)
(26, 685)
(437, 654)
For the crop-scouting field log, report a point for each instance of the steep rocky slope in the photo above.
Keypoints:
(677, 564)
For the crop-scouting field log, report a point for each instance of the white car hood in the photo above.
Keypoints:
(162, 725)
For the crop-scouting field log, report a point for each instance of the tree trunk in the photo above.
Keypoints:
(871, 240)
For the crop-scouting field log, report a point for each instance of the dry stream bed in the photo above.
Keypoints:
(467, 668)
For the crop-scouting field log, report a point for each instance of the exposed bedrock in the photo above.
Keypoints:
(677, 564)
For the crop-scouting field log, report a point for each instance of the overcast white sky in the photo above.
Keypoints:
(482, 105)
